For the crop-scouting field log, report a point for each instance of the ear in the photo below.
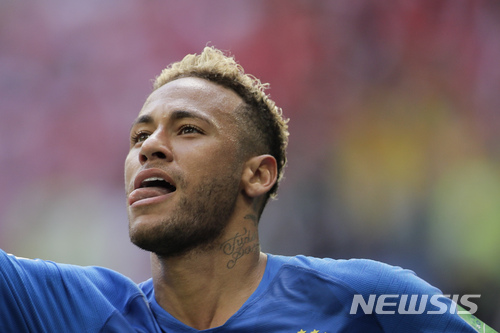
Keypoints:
(259, 175)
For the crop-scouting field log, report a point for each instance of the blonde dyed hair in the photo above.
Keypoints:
(264, 129)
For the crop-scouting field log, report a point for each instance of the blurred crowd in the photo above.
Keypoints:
(394, 111)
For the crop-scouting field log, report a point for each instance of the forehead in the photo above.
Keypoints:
(193, 94)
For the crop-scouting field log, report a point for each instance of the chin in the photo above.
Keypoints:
(170, 239)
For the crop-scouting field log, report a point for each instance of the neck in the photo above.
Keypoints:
(204, 288)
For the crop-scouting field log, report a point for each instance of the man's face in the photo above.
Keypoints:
(183, 172)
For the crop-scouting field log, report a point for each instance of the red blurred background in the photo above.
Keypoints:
(394, 151)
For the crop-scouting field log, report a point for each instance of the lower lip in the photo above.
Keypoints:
(148, 201)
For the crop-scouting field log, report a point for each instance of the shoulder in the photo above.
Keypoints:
(359, 275)
(50, 279)
(369, 290)
(49, 272)
(38, 293)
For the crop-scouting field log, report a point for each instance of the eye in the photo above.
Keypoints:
(139, 137)
(190, 129)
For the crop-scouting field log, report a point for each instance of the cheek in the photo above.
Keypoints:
(216, 156)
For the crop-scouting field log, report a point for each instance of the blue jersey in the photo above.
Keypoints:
(297, 294)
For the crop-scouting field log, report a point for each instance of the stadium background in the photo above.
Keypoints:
(395, 128)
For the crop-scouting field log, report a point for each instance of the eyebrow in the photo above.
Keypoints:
(181, 114)
(175, 115)
(144, 119)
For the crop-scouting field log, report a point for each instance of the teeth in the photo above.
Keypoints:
(157, 182)
(153, 179)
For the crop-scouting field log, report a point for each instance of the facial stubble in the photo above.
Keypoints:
(197, 221)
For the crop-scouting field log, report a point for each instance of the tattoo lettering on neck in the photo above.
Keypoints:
(240, 245)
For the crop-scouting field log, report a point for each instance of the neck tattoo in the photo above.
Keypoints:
(240, 245)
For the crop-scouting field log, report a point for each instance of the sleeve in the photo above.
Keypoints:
(35, 297)
(42, 296)
(15, 312)
(403, 302)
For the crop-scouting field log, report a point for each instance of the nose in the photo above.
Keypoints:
(155, 147)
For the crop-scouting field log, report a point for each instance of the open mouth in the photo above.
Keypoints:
(158, 183)
(150, 190)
